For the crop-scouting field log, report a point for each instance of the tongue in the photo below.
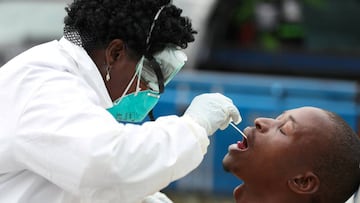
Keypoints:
(241, 145)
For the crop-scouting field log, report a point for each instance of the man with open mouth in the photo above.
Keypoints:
(305, 155)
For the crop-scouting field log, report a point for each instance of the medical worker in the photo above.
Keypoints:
(65, 104)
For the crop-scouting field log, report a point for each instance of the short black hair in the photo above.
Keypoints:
(129, 20)
(338, 168)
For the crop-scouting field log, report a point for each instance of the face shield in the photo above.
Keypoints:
(160, 69)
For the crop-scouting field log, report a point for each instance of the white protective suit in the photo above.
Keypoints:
(355, 198)
(59, 144)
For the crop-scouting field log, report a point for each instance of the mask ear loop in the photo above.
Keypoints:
(138, 73)
(130, 83)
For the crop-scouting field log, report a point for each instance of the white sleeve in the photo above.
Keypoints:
(355, 198)
(64, 136)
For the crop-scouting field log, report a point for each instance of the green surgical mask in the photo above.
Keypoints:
(134, 107)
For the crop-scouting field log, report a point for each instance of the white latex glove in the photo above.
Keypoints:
(213, 111)
(157, 198)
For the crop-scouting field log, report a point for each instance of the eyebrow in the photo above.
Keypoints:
(292, 119)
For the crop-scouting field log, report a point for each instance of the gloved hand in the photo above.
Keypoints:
(157, 198)
(213, 111)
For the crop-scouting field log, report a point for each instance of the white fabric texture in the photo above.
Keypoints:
(58, 144)
(157, 198)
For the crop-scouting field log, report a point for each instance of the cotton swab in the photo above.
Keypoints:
(236, 128)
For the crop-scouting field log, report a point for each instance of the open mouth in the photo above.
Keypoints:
(242, 145)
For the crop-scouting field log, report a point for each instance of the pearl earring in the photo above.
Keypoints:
(107, 77)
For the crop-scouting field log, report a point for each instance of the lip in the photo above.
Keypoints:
(235, 147)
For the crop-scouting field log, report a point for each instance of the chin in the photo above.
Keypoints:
(226, 167)
(227, 163)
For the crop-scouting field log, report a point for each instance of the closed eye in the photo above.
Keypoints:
(281, 128)
(281, 131)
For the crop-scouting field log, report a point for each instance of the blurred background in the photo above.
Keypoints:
(267, 55)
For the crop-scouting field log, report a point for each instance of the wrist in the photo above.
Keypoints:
(198, 131)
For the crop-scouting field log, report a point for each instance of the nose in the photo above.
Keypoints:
(263, 124)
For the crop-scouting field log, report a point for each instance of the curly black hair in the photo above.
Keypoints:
(129, 20)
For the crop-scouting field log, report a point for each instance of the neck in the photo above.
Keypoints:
(272, 194)
(245, 194)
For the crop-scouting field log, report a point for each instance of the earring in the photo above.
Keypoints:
(107, 77)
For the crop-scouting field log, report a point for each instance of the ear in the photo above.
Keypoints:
(307, 183)
(114, 51)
